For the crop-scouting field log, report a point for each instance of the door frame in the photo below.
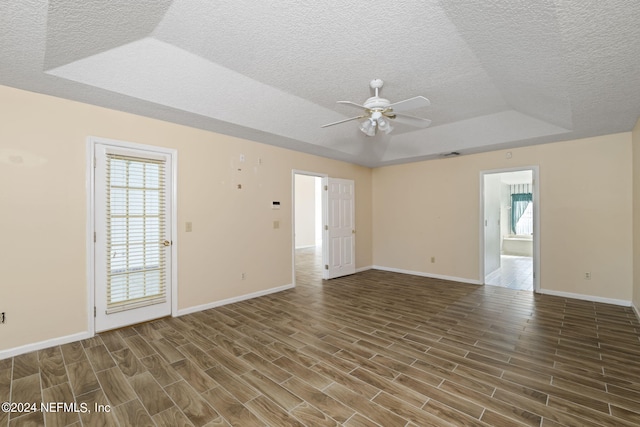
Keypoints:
(535, 184)
(91, 143)
(295, 172)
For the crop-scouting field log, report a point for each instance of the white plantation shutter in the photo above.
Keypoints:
(136, 210)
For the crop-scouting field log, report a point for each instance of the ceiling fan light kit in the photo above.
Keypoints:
(368, 127)
(379, 112)
(384, 125)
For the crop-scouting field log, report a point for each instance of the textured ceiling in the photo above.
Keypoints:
(499, 73)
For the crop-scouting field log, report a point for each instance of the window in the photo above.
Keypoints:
(524, 226)
(135, 230)
(521, 210)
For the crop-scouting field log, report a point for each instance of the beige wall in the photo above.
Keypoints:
(636, 215)
(585, 213)
(305, 210)
(43, 211)
(413, 211)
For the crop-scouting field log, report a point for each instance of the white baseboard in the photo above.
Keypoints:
(15, 351)
(432, 276)
(636, 310)
(591, 298)
(361, 269)
(27, 348)
(220, 303)
(11, 352)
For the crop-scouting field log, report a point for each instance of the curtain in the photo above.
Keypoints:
(519, 203)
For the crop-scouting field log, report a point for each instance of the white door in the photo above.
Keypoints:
(340, 228)
(492, 213)
(132, 236)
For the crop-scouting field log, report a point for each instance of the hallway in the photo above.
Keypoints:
(516, 272)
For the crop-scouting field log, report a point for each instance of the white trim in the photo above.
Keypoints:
(41, 345)
(635, 309)
(245, 297)
(361, 269)
(174, 232)
(535, 177)
(570, 295)
(301, 172)
(295, 172)
(432, 276)
(306, 246)
(583, 297)
(90, 228)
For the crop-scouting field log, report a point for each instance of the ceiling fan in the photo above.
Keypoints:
(379, 112)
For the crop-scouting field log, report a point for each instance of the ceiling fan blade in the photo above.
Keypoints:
(410, 104)
(406, 119)
(353, 104)
(342, 121)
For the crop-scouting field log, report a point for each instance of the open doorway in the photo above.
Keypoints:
(510, 206)
(308, 230)
(323, 227)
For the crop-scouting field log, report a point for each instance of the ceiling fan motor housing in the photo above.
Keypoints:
(376, 103)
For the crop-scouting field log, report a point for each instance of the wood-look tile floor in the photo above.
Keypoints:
(374, 348)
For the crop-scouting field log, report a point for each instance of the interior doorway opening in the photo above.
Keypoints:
(308, 228)
(510, 229)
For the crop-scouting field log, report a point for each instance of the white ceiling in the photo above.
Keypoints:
(499, 73)
(517, 177)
